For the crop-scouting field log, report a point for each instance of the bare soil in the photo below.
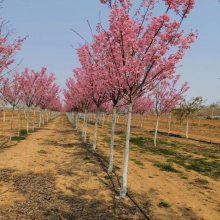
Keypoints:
(190, 190)
(50, 175)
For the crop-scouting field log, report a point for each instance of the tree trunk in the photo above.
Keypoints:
(12, 118)
(111, 157)
(103, 119)
(78, 125)
(117, 120)
(187, 127)
(156, 131)
(85, 129)
(40, 121)
(43, 117)
(28, 117)
(19, 122)
(3, 115)
(84, 123)
(95, 130)
(123, 190)
(169, 123)
(142, 120)
(47, 117)
(76, 120)
(33, 126)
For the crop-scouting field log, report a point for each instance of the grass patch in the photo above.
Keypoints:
(166, 167)
(145, 144)
(202, 182)
(164, 204)
(138, 162)
(208, 165)
(203, 166)
(209, 168)
(17, 138)
(23, 133)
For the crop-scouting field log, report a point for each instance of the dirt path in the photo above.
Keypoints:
(51, 176)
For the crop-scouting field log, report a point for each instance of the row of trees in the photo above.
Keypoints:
(27, 89)
(132, 61)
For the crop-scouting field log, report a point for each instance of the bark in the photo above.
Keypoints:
(19, 122)
(103, 119)
(43, 117)
(76, 120)
(169, 123)
(142, 120)
(156, 131)
(85, 129)
(123, 190)
(40, 121)
(111, 157)
(95, 131)
(187, 127)
(84, 123)
(78, 126)
(33, 126)
(117, 120)
(28, 119)
(3, 115)
(12, 118)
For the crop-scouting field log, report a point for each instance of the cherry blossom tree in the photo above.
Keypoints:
(11, 93)
(145, 48)
(90, 76)
(142, 106)
(186, 109)
(167, 97)
(7, 48)
(38, 89)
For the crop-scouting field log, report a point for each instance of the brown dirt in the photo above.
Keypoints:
(187, 200)
(51, 176)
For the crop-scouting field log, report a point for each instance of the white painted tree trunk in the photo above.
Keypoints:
(187, 127)
(19, 122)
(3, 115)
(123, 191)
(117, 120)
(142, 120)
(43, 117)
(28, 119)
(40, 121)
(95, 131)
(156, 131)
(169, 123)
(76, 120)
(33, 126)
(84, 123)
(78, 125)
(72, 118)
(85, 129)
(111, 156)
(103, 119)
(12, 118)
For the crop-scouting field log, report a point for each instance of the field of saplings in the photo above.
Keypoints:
(133, 132)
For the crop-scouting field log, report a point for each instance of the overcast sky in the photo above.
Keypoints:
(48, 23)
